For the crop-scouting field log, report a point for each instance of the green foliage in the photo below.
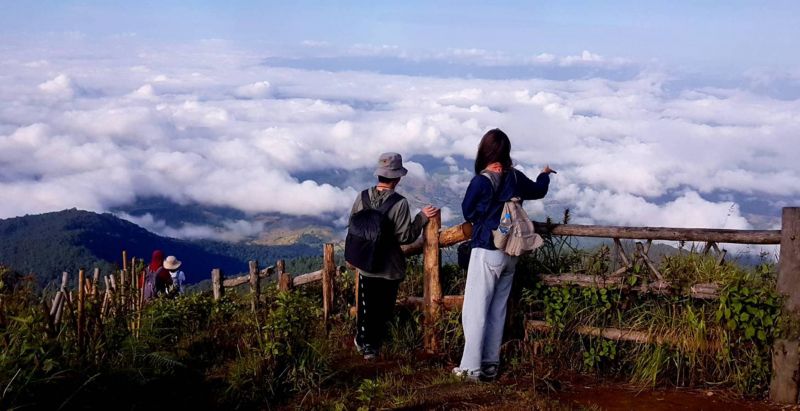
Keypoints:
(598, 351)
(291, 320)
(371, 391)
(694, 341)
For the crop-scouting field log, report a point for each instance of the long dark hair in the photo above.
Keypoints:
(494, 147)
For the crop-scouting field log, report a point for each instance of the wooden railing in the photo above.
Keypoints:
(786, 351)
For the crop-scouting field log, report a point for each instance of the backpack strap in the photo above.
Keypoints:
(389, 203)
(491, 180)
(365, 203)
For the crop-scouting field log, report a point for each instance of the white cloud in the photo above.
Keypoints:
(627, 151)
(60, 87)
(230, 230)
(259, 89)
(145, 92)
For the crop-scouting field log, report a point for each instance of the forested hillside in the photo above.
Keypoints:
(47, 244)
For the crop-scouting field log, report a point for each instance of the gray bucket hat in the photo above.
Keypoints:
(390, 165)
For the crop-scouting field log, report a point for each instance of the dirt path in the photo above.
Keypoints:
(586, 392)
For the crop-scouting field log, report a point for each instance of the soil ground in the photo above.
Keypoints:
(420, 383)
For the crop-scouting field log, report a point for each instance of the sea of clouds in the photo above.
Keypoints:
(98, 124)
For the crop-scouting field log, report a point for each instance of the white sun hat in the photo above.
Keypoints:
(172, 263)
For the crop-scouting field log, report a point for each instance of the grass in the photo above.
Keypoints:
(218, 355)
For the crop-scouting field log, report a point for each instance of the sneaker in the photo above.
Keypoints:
(359, 348)
(489, 372)
(369, 352)
(465, 375)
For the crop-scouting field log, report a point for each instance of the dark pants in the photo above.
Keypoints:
(376, 300)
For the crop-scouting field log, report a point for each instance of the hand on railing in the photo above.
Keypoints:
(430, 211)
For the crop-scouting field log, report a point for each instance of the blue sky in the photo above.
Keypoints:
(655, 113)
(708, 35)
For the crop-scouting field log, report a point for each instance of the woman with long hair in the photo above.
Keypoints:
(490, 271)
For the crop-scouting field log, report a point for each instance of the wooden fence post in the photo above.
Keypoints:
(433, 287)
(284, 279)
(216, 284)
(328, 277)
(81, 314)
(255, 284)
(785, 356)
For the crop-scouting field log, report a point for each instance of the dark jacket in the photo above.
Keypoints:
(406, 231)
(482, 206)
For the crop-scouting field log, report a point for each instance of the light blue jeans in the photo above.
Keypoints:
(489, 277)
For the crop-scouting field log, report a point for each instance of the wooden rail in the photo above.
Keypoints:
(786, 358)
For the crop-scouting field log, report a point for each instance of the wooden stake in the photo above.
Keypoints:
(216, 284)
(643, 255)
(433, 286)
(255, 285)
(284, 279)
(784, 388)
(328, 277)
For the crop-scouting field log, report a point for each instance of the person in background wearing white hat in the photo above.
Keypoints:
(172, 265)
(378, 289)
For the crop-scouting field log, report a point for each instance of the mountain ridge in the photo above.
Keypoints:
(47, 244)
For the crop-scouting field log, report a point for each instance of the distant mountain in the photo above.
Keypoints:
(47, 244)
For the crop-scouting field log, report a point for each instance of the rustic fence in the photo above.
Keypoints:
(120, 297)
(785, 382)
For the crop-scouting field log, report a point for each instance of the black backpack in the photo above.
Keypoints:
(370, 234)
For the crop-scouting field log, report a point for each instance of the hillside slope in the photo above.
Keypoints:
(47, 244)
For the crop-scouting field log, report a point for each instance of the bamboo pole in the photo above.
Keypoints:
(81, 314)
(132, 288)
(432, 284)
(95, 279)
(60, 309)
(122, 299)
(106, 296)
(785, 356)
(60, 294)
(255, 286)
(328, 277)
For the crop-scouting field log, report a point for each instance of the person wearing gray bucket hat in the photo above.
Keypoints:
(381, 265)
(390, 165)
